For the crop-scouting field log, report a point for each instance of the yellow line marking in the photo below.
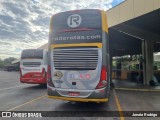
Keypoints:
(27, 102)
(118, 106)
(143, 90)
(12, 87)
(99, 45)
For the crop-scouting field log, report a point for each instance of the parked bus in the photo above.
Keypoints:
(33, 66)
(10, 68)
(79, 68)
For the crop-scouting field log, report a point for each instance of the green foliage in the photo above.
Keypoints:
(6, 61)
(114, 63)
(157, 63)
(1, 63)
(9, 60)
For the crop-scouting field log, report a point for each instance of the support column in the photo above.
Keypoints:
(149, 60)
(110, 67)
(147, 53)
(144, 62)
(110, 62)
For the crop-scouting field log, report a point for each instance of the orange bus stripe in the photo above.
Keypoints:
(104, 21)
(99, 45)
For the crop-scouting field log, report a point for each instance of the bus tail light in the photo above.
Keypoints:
(103, 80)
(49, 72)
(20, 72)
(49, 78)
(43, 72)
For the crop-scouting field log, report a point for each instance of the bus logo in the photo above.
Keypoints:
(74, 20)
(58, 74)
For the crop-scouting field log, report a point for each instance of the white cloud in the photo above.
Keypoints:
(25, 23)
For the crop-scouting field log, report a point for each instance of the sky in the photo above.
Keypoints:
(24, 24)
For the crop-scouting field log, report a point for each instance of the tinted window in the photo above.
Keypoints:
(32, 53)
(76, 27)
(88, 19)
(31, 64)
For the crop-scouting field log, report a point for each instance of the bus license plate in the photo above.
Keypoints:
(73, 94)
(37, 75)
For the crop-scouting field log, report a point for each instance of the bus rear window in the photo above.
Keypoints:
(31, 64)
(88, 19)
(32, 53)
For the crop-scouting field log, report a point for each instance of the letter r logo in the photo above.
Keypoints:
(74, 20)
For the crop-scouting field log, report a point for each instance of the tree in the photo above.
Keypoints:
(9, 60)
(1, 63)
(6, 61)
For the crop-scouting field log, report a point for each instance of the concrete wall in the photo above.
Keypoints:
(45, 46)
(130, 9)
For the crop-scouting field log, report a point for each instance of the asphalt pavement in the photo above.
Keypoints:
(16, 96)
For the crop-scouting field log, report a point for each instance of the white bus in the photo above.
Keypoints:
(78, 67)
(33, 66)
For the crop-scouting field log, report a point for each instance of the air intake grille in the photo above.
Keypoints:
(75, 59)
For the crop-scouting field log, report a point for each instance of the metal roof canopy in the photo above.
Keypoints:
(125, 38)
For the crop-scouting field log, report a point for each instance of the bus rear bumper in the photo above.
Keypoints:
(33, 80)
(97, 95)
(79, 99)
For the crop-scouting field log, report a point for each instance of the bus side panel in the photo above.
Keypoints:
(106, 48)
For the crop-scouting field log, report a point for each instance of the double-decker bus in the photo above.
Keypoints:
(33, 66)
(78, 66)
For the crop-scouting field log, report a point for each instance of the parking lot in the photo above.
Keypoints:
(15, 96)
